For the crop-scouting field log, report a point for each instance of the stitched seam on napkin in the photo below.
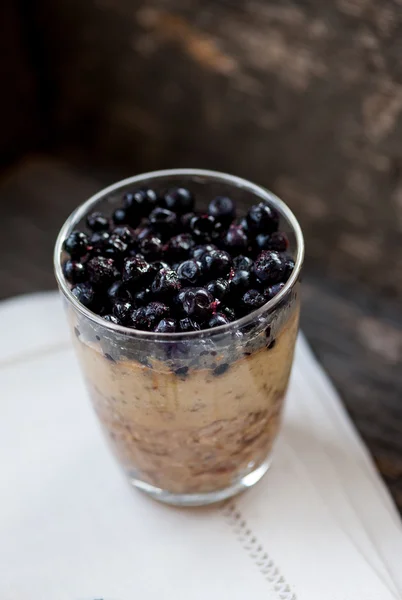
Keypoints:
(256, 553)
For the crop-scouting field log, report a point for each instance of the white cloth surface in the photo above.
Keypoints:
(319, 526)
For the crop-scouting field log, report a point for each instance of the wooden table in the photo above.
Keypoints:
(356, 335)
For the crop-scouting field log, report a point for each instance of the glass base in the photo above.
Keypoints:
(208, 497)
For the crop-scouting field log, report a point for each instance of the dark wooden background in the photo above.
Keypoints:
(302, 96)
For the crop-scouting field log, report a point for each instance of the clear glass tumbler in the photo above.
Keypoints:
(191, 417)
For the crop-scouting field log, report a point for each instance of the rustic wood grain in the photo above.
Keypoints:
(19, 122)
(36, 197)
(356, 334)
(358, 339)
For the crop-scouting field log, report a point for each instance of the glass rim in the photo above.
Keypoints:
(82, 210)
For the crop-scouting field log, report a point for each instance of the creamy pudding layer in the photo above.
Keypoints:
(199, 429)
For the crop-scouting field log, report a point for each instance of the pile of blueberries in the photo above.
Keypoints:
(157, 265)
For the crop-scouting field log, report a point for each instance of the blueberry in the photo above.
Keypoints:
(76, 244)
(216, 264)
(244, 224)
(218, 319)
(180, 200)
(123, 311)
(158, 265)
(135, 254)
(289, 266)
(146, 317)
(115, 248)
(143, 231)
(218, 288)
(151, 247)
(155, 311)
(179, 246)
(164, 221)
(188, 324)
(166, 326)
(181, 372)
(143, 296)
(166, 283)
(85, 293)
(189, 272)
(197, 302)
(220, 369)
(112, 319)
(185, 220)
(270, 267)
(120, 216)
(216, 305)
(118, 291)
(228, 312)
(273, 290)
(239, 283)
(139, 320)
(74, 271)
(223, 209)
(136, 271)
(102, 271)
(98, 241)
(242, 263)
(235, 240)
(102, 304)
(252, 300)
(177, 300)
(140, 202)
(262, 218)
(203, 227)
(96, 221)
(125, 233)
(199, 251)
(275, 241)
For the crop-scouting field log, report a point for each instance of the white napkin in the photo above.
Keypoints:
(319, 526)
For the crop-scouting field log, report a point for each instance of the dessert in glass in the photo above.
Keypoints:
(181, 288)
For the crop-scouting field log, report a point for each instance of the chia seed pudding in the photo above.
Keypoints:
(184, 323)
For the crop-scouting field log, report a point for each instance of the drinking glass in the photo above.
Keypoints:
(191, 417)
